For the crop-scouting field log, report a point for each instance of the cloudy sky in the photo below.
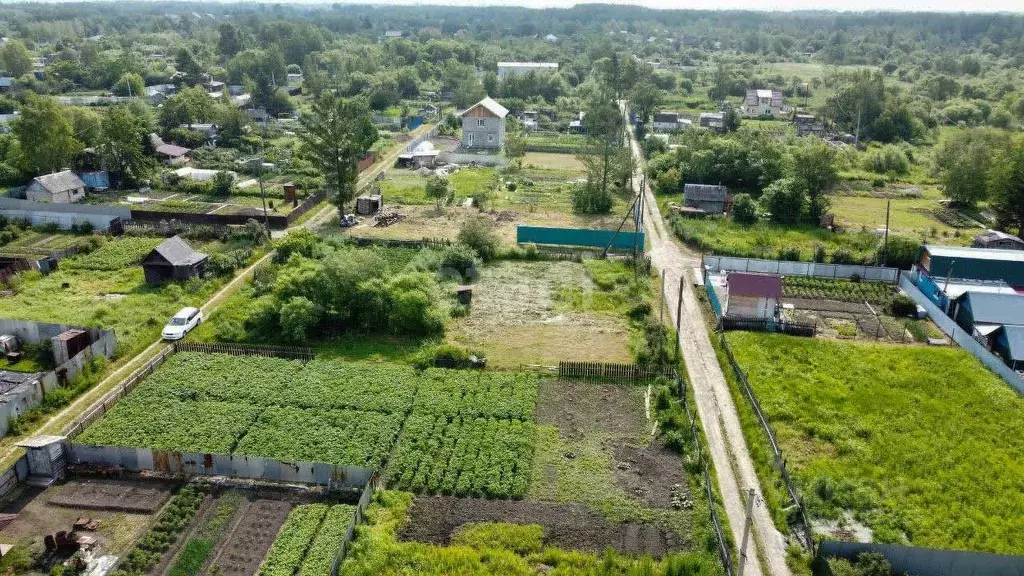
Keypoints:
(845, 5)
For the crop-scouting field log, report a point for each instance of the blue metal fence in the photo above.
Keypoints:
(580, 237)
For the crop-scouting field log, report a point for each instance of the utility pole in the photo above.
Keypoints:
(746, 530)
(679, 313)
(885, 243)
(856, 138)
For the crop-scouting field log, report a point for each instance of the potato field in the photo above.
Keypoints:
(466, 432)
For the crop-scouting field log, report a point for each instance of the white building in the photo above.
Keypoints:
(509, 68)
(670, 122)
(762, 103)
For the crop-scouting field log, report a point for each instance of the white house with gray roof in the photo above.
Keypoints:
(59, 188)
(483, 125)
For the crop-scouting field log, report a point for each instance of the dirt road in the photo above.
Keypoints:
(715, 405)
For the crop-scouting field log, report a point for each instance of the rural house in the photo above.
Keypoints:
(762, 103)
(752, 295)
(982, 313)
(705, 198)
(169, 154)
(483, 125)
(670, 122)
(997, 239)
(59, 188)
(712, 121)
(173, 259)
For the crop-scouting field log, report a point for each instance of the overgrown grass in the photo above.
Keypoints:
(765, 240)
(923, 445)
(490, 549)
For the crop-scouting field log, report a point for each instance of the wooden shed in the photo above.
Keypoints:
(173, 259)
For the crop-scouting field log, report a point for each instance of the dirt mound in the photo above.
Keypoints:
(434, 519)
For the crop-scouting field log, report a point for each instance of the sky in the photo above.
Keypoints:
(776, 5)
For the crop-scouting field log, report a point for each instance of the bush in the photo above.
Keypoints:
(223, 183)
(478, 233)
(819, 253)
(888, 159)
(588, 199)
(902, 306)
(298, 316)
(460, 259)
(445, 356)
(300, 241)
(744, 209)
(842, 256)
(785, 200)
(901, 252)
(789, 254)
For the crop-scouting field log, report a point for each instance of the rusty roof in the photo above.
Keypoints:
(760, 285)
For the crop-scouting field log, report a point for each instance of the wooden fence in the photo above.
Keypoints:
(303, 353)
(603, 370)
(276, 221)
(110, 398)
(357, 517)
(779, 459)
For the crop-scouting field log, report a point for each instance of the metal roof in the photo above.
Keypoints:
(990, 308)
(705, 192)
(760, 285)
(1015, 341)
(172, 150)
(488, 103)
(178, 252)
(976, 253)
(60, 181)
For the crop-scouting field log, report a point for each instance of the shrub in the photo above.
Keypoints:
(302, 242)
(478, 233)
(902, 306)
(888, 159)
(445, 356)
(841, 256)
(789, 254)
(785, 200)
(819, 253)
(223, 183)
(460, 259)
(588, 199)
(744, 209)
(298, 316)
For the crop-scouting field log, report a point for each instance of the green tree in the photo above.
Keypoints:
(130, 84)
(188, 106)
(189, 65)
(15, 58)
(644, 99)
(786, 200)
(603, 122)
(478, 233)
(438, 189)
(1006, 185)
(45, 135)
(223, 183)
(298, 316)
(229, 41)
(515, 146)
(336, 133)
(122, 146)
(813, 167)
(85, 124)
(744, 209)
(963, 159)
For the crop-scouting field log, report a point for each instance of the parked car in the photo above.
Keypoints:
(182, 323)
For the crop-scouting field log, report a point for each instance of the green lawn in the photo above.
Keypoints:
(922, 444)
(911, 217)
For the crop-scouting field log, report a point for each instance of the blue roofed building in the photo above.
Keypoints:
(982, 313)
(1008, 343)
(983, 264)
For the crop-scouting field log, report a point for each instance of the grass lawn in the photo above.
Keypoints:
(922, 218)
(923, 445)
(764, 240)
(407, 187)
(553, 161)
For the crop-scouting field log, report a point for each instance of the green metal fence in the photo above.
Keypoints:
(580, 237)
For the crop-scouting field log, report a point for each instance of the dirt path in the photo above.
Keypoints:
(715, 406)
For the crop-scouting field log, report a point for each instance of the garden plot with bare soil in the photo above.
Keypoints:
(595, 448)
(121, 510)
(859, 321)
(515, 318)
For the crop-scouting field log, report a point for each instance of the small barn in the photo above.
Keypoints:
(710, 198)
(984, 264)
(1008, 343)
(59, 188)
(752, 295)
(173, 259)
(982, 313)
(999, 240)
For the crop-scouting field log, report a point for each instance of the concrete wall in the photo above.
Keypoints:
(236, 466)
(993, 362)
(930, 561)
(64, 215)
(493, 128)
(817, 270)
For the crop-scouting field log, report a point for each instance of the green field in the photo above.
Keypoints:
(469, 433)
(408, 187)
(923, 445)
(765, 240)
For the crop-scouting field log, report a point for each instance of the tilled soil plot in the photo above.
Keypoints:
(652, 474)
(574, 406)
(241, 550)
(134, 496)
(434, 519)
